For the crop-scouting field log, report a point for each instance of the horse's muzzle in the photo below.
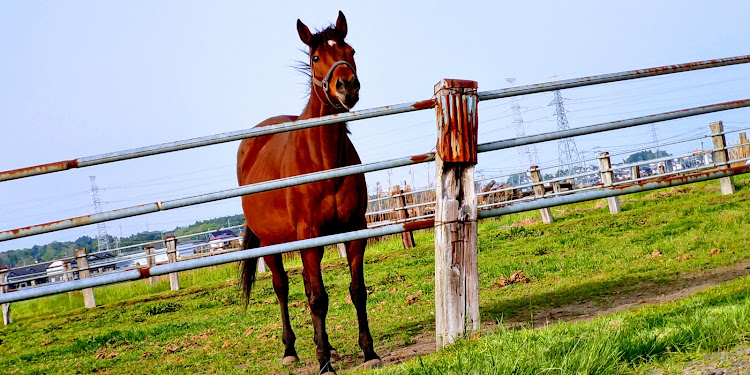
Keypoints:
(347, 91)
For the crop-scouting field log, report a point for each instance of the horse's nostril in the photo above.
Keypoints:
(340, 85)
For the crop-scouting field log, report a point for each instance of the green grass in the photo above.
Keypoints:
(586, 255)
(619, 344)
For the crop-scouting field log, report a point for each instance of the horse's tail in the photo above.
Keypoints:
(248, 266)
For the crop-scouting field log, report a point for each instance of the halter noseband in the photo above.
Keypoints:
(324, 83)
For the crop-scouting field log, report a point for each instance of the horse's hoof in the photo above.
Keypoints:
(373, 363)
(335, 357)
(289, 360)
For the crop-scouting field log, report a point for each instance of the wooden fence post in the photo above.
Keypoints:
(150, 261)
(635, 172)
(721, 157)
(171, 243)
(261, 268)
(745, 148)
(407, 238)
(538, 186)
(456, 277)
(341, 249)
(7, 319)
(608, 178)
(83, 273)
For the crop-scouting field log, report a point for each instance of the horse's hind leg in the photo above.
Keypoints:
(317, 297)
(281, 287)
(355, 252)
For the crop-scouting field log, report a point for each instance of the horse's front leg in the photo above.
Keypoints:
(317, 297)
(355, 252)
(281, 287)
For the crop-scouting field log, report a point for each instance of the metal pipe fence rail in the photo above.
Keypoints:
(624, 123)
(455, 103)
(356, 169)
(359, 115)
(132, 256)
(123, 276)
(130, 275)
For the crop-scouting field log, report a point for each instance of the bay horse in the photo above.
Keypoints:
(314, 209)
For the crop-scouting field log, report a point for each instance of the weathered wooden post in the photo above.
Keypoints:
(7, 319)
(721, 157)
(538, 186)
(150, 262)
(83, 273)
(556, 187)
(745, 147)
(341, 248)
(635, 172)
(171, 243)
(605, 169)
(407, 238)
(261, 267)
(456, 277)
(68, 271)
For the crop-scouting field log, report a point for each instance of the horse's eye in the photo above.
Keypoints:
(315, 58)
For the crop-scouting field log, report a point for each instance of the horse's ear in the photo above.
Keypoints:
(304, 32)
(341, 25)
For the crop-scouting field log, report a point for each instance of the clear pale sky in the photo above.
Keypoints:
(79, 78)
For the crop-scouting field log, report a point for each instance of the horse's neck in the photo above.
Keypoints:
(324, 143)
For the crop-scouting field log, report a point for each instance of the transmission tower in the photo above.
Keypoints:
(527, 156)
(567, 152)
(653, 136)
(101, 228)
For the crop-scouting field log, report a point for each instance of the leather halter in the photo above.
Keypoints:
(325, 82)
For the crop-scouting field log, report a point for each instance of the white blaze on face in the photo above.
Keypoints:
(331, 43)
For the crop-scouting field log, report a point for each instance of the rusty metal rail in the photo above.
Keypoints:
(356, 169)
(210, 197)
(358, 115)
(606, 192)
(214, 139)
(142, 273)
(612, 77)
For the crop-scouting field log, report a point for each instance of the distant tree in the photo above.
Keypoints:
(57, 250)
(646, 155)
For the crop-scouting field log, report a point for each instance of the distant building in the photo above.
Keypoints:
(26, 276)
(53, 272)
(221, 239)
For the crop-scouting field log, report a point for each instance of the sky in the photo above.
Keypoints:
(81, 78)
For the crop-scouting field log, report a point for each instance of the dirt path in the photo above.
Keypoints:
(645, 294)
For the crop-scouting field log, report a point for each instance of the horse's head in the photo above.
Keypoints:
(332, 66)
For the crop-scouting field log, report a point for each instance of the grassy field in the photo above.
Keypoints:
(587, 258)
